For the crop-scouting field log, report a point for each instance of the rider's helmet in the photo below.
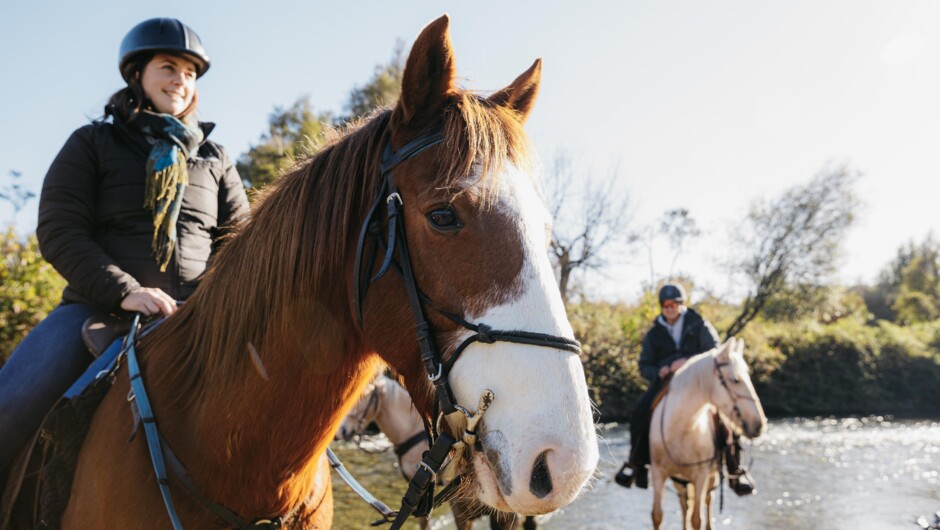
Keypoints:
(166, 35)
(671, 291)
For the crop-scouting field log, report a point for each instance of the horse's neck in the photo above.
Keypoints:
(273, 429)
(689, 393)
(397, 417)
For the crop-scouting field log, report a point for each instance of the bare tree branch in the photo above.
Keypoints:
(589, 219)
(794, 240)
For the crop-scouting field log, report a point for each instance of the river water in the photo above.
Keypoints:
(868, 473)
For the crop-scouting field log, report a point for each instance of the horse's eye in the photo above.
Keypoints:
(444, 220)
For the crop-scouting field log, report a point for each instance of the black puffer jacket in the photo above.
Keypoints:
(698, 335)
(94, 229)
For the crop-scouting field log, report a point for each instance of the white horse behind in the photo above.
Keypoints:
(682, 430)
(389, 405)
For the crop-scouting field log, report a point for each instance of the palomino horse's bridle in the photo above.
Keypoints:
(419, 499)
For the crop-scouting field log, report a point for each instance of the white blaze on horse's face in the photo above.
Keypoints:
(538, 436)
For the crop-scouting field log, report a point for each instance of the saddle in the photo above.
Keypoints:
(41, 474)
(100, 331)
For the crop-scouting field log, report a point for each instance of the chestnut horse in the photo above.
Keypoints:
(387, 404)
(682, 430)
(249, 380)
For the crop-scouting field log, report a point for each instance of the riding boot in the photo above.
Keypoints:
(739, 479)
(632, 474)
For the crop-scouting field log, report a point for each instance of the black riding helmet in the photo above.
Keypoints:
(671, 292)
(166, 35)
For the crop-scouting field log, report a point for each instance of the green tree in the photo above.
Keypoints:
(908, 289)
(793, 242)
(29, 289)
(298, 131)
(293, 132)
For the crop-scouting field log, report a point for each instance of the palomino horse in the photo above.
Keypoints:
(682, 430)
(249, 380)
(387, 404)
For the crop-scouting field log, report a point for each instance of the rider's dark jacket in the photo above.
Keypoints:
(93, 227)
(698, 335)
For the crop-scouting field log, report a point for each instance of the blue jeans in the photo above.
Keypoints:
(38, 372)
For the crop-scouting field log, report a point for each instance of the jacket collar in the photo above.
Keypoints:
(137, 139)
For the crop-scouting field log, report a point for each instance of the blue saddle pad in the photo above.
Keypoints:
(102, 364)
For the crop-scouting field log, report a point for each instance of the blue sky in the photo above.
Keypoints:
(702, 105)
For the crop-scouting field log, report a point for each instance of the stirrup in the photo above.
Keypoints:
(623, 478)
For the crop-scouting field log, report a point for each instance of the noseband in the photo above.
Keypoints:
(419, 498)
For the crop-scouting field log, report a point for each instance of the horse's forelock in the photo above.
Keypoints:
(480, 139)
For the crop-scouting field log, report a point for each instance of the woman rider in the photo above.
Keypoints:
(129, 212)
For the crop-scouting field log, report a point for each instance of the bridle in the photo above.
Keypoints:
(371, 406)
(732, 394)
(419, 499)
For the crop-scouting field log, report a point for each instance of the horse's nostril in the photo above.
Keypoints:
(541, 482)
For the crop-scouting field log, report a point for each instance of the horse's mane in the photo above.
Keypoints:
(695, 374)
(283, 270)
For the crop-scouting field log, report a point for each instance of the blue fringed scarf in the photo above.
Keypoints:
(174, 142)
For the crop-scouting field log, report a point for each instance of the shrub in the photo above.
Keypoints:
(29, 289)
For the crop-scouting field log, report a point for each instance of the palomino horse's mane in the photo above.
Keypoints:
(278, 273)
(696, 373)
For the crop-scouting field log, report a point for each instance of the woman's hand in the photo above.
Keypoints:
(149, 301)
(678, 363)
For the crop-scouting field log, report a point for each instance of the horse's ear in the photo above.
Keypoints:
(520, 94)
(725, 349)
(429, 75)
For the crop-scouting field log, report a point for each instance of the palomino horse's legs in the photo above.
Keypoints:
(708, 500)
(699, 489)
(659, 484)
(683, 493)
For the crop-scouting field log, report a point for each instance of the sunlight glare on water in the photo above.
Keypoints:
(865, 473)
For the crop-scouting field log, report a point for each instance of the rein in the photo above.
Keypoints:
(419, 499)
(161, 455)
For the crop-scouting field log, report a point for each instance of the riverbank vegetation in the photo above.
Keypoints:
(838, 361)
(834, 356)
